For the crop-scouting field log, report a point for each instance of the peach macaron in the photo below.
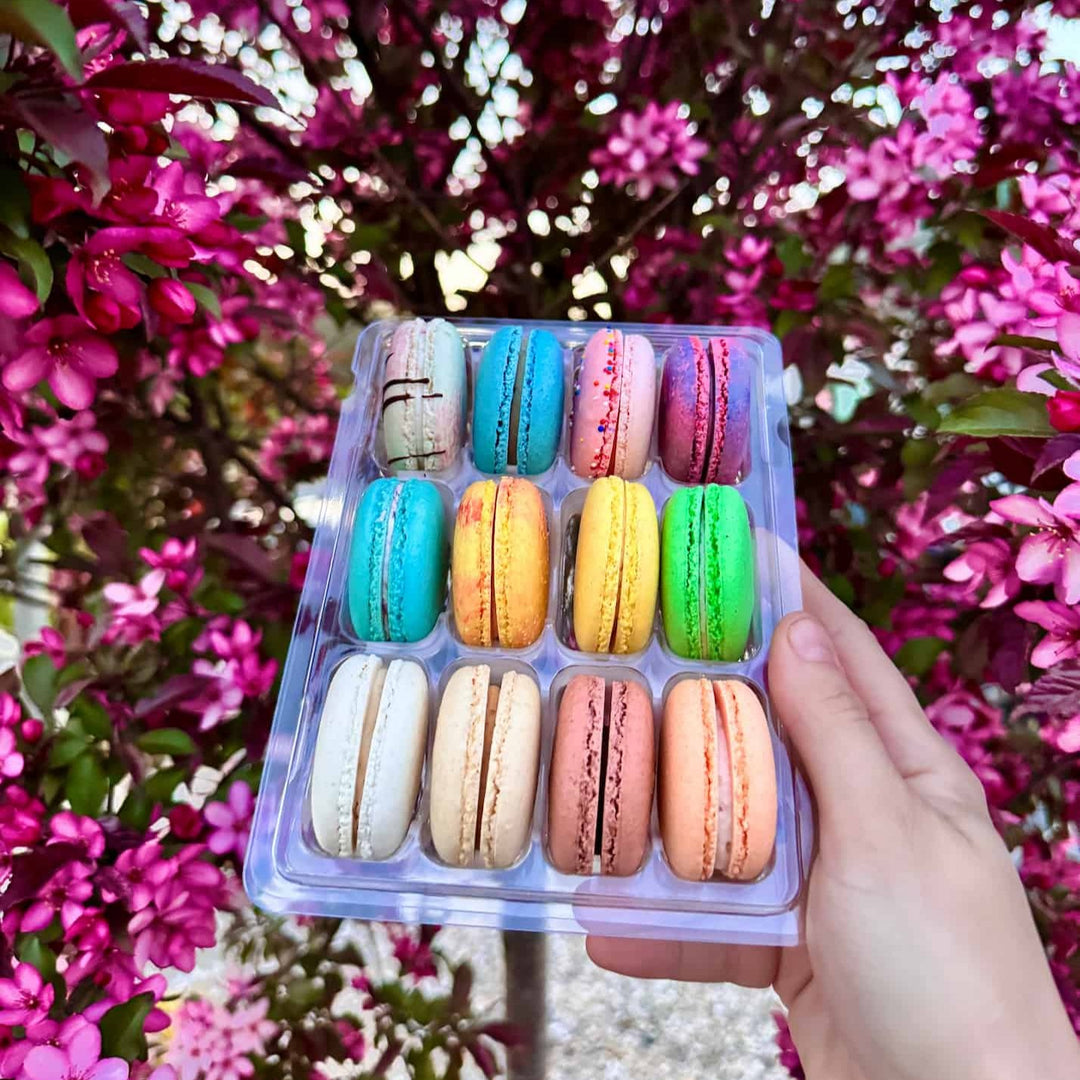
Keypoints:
(717, 781)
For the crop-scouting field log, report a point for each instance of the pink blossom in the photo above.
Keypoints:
(134, 615)
(179, 560)
(1050, 555)
(352, 1039)
(413, 952)
(51, 643)
(1062, 623)
(43, 1033)
(140, 870)
(220, 698)
(25, 998)
(648, 148)
(16, 300)
(171, 299)
(79, 1060)
(986, 562)
(65, 351)
(62, 895)
(73, 444)
(213, 1042)
(231, 820)
(11, 761)
(180, 918)
(67, 827)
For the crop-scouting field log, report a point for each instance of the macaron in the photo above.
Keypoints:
(423, 396)
(616, 568)
(484, 767)
(717, 781)
(601, 785)
(368, 756)
(499, 569)
(397, 562)
(614, 400)
(704, 412)
(707, 573)
(518, 402)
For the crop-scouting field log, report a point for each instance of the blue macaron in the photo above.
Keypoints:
(398, 561)
(518, 402)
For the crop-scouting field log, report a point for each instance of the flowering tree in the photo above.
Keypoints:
(891, 189)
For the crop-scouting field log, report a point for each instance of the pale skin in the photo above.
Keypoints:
(921, 958)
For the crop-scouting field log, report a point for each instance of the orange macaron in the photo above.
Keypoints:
(717, 781)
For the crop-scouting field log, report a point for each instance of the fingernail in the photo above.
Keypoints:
(810, 642)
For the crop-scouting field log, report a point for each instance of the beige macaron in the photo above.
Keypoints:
(484, 767)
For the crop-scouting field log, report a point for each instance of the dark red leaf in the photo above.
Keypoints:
(188, 78)
(1054, 454)
(1056, 694)
(123, 14)
(108, 540)
(67, 694)
(1045, 240)
(178, 688)
(31, 870)
(268, 169)
(244, 551)
(503, 1032)
(62, 122)
(1010, 160)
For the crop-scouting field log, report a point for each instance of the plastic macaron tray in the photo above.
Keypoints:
(526, 686)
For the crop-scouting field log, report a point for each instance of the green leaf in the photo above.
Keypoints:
(221, 600)
(35, 269)
(86, 785)
(206, 298)
(1025, 341)
(135, 813)
(304, 993)
(162, 784)
(838, 282)
(143, 264)
(66, 747)
(95, 718)
(794, 256)
(917, 655)
(247, 222)
(32, 950)
(44, 23)
(166, 741)
(39, 681)
(122, 1028)
(14, 199)
(1000, 412)
(788, 320)
(178, 638)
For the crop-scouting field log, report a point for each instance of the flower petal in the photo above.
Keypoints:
(46, 1063)
(74, 388)
(1023, 509)
(26, 371)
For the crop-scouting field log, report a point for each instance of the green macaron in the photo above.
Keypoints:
(707, 573)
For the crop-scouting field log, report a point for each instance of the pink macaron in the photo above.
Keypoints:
(614, 401)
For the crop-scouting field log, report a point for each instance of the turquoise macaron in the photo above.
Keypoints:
(518, 402)
(398, 561)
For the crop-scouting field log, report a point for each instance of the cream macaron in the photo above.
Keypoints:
(368, 756)
(484, 767)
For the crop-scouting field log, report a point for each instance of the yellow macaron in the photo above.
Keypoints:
(499, 569)
(617, 568)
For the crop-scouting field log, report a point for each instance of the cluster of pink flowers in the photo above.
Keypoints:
(649, 149)
(215, 1042)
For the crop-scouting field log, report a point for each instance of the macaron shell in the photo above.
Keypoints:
(730, 447)
(685, 410)
(444, 404)
(689, 786)
(753, 781)
(637, 404)
(492, 399)
(596, 404)
(729, 573)
(574, 788)
(628, 783)
(511, 772)
(456, 763)
(366, 553)
(416, 591)
(394, 761)
(471, 564)
(541, 404)
(680, 572)
(521, 562)
(402, 404)
(640, 572)
(354, 688)
(597, 563)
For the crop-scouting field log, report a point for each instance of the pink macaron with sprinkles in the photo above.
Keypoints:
(614, 400)
(705, 412)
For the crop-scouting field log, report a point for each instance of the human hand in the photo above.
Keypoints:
(921, 958)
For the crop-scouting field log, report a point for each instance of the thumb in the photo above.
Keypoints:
(828, 722)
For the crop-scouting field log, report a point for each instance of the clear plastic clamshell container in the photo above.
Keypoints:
(286, 871)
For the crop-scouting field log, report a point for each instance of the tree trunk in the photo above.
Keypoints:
(525, 1004)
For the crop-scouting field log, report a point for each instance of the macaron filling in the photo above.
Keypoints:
(371, 713)
(719, 388)
(517, 439)
(385, 571)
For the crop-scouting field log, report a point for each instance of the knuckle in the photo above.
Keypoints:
(840, 704)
